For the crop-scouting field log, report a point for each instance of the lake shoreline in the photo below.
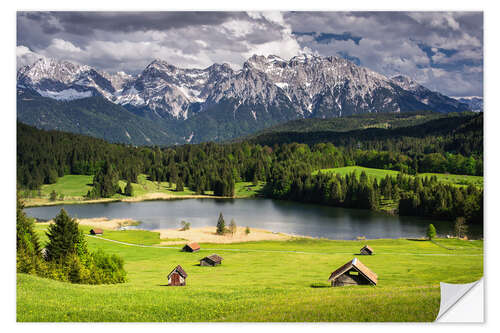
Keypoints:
(155, 197)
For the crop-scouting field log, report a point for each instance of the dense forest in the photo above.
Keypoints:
(442, 145)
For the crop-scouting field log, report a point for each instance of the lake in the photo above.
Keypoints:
(275, 215)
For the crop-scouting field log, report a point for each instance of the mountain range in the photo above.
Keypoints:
(165, 104)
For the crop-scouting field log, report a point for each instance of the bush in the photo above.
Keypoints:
(68, 258)
(247, 230)
(53, 195)
(431, 231)
(185, 225)
(232, 227)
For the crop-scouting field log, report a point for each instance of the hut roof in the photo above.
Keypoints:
(179, 270)
(368, 248)
(357, 265)
(96, 230)
(193, 246)
(214, 258)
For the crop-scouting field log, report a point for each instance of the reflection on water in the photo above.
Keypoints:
(274, 215)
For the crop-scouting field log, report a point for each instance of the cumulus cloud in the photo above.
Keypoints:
(25, 56)
(439, 49)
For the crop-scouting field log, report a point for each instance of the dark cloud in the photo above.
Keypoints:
(81, 23)
(347, 56)
(328, 37)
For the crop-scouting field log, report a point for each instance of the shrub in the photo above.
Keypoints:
(431, 231)
(53, 195)
(232, 226)
(185, 225)
(247, 230)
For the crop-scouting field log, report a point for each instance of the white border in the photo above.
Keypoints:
(8, 139)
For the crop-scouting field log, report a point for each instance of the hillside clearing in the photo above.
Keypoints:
(460, 180)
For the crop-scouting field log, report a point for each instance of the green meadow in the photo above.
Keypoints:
(257, 281)
(74, 188)
(382, 173)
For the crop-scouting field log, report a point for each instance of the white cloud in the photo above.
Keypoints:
(25, 56)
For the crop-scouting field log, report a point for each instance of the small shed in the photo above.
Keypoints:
(177, 277)
(353, 273)
(366, 250)
(212, 260)
(96, 231)
(191, 247)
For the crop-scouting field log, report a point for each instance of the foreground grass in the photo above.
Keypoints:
(258, 281)
(460, 180)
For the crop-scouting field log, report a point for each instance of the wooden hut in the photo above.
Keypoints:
(212, 260)
(366, 250)
(191, 247)
(177, 277)
(96, 231)
(353, 273)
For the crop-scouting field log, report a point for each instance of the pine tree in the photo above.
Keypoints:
(179, 186)
(63, 237)
(27, 242)
(247, 230)
(431, 231)
(221, 225)
(129, 191)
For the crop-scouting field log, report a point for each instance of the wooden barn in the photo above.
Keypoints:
(212, 260)
(177, 277)
(353, 273)
(366, 250)
(191, 247)
(96, 231)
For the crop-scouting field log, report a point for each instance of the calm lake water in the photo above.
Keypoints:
(279, 216)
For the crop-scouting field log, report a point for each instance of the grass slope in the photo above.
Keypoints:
(381, 173)
(259, 281)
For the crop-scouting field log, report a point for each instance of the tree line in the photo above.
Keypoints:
(416, 196)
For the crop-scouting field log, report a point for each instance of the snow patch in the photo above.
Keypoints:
(282, 85)
(254, 114)
(65, 95)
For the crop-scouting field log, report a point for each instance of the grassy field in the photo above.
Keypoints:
(461, 180)
(258, 281)
(75, 187)
(69, 186)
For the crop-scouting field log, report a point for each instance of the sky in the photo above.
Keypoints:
(441, 50)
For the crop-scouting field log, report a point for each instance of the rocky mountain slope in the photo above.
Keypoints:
(218, 103)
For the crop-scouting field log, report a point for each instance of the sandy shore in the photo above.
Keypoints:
(39, 202)
(103, 222)
(208, 235)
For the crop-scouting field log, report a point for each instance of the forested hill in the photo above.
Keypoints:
(287, 169)
(416, 133)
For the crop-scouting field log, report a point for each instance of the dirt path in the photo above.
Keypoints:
(284, 251)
